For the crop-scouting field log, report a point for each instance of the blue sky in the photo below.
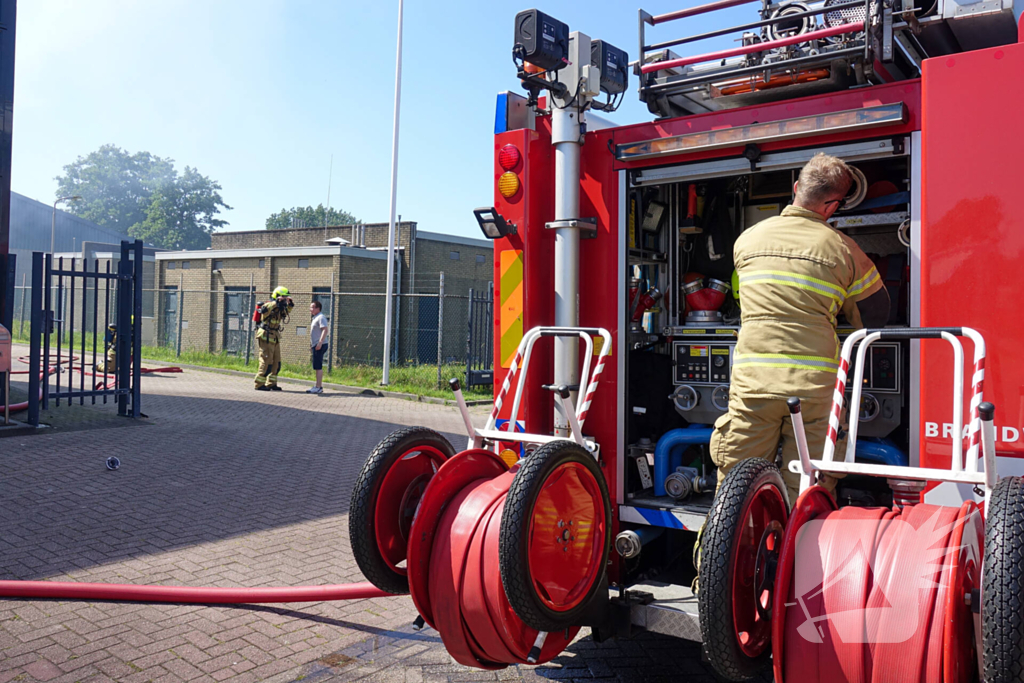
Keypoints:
(258, 95)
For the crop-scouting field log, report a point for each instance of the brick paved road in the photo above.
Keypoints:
(224, 486)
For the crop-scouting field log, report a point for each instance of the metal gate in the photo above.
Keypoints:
(78, 346)
(480, 340)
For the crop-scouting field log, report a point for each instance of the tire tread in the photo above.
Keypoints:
(361, 510)
(714, 595)
(1002, 611)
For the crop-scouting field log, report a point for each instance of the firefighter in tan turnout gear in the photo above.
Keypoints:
(796, 275)
(269, 318)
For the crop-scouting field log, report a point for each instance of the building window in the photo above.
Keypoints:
(262, 263)
(171, 265)
(303, 263)
(480, 258)
(185, 265)
(218, 265)
(453, 255)
(323, 295)
(300, 331)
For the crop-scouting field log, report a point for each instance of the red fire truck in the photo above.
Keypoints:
(579, 502)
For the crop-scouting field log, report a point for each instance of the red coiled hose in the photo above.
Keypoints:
(454, 574)
(871, 592)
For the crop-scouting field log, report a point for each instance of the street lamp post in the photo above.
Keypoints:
(53, 221)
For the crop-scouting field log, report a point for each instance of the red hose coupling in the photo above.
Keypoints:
(647, 300)
(701, 298)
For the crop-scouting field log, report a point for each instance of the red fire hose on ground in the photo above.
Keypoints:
(69, 590)
(15, 407)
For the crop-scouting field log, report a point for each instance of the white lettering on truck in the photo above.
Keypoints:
(1003, 434)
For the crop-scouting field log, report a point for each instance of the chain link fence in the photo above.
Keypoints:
(432, 338)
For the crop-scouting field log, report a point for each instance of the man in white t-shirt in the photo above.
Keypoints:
(318, 345)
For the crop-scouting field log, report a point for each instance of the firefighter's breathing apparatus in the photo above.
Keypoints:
(283, 304)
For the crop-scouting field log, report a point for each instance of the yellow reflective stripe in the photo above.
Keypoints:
(804, 282)
(791, 356)
(792, 366)
(865, 283)
(800, 276)
(786, 360)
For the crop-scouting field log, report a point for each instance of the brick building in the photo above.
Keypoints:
(206, 294)
(466, 262)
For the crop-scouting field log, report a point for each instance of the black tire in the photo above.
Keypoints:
(513, 546)
(715, 574)
(361, 525)
(1002, 591)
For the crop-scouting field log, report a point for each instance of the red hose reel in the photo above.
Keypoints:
(856, 594)
(876, 594)
(502, 563)
(916, 593)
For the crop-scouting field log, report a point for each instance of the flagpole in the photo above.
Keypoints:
(390, 285)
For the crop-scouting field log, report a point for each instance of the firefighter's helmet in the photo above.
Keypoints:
(280, 291)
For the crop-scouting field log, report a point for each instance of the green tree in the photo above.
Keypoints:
(115, 186)
(308, 217)
(183, 213)
(143, 196)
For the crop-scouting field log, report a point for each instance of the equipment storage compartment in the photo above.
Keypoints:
(683, 316)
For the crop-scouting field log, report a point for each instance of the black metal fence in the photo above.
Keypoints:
(450, 332)
(85, 330)
(480, 338)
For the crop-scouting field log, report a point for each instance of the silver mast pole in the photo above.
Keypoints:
(567, 118)
(390, 285)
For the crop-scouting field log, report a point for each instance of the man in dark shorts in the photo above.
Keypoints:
(318, 344)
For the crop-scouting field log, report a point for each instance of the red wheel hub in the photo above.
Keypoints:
(760, 523)
(566, 537)
(397, 499)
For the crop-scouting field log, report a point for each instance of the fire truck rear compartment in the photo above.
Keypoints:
(678, 365)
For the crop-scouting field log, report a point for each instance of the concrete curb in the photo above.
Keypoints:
(308, 382)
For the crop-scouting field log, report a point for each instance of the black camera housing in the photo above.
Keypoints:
(614, 66)
(545, 40)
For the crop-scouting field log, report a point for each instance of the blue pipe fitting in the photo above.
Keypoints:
(648, 533)
(668, 454)
(880, 452)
